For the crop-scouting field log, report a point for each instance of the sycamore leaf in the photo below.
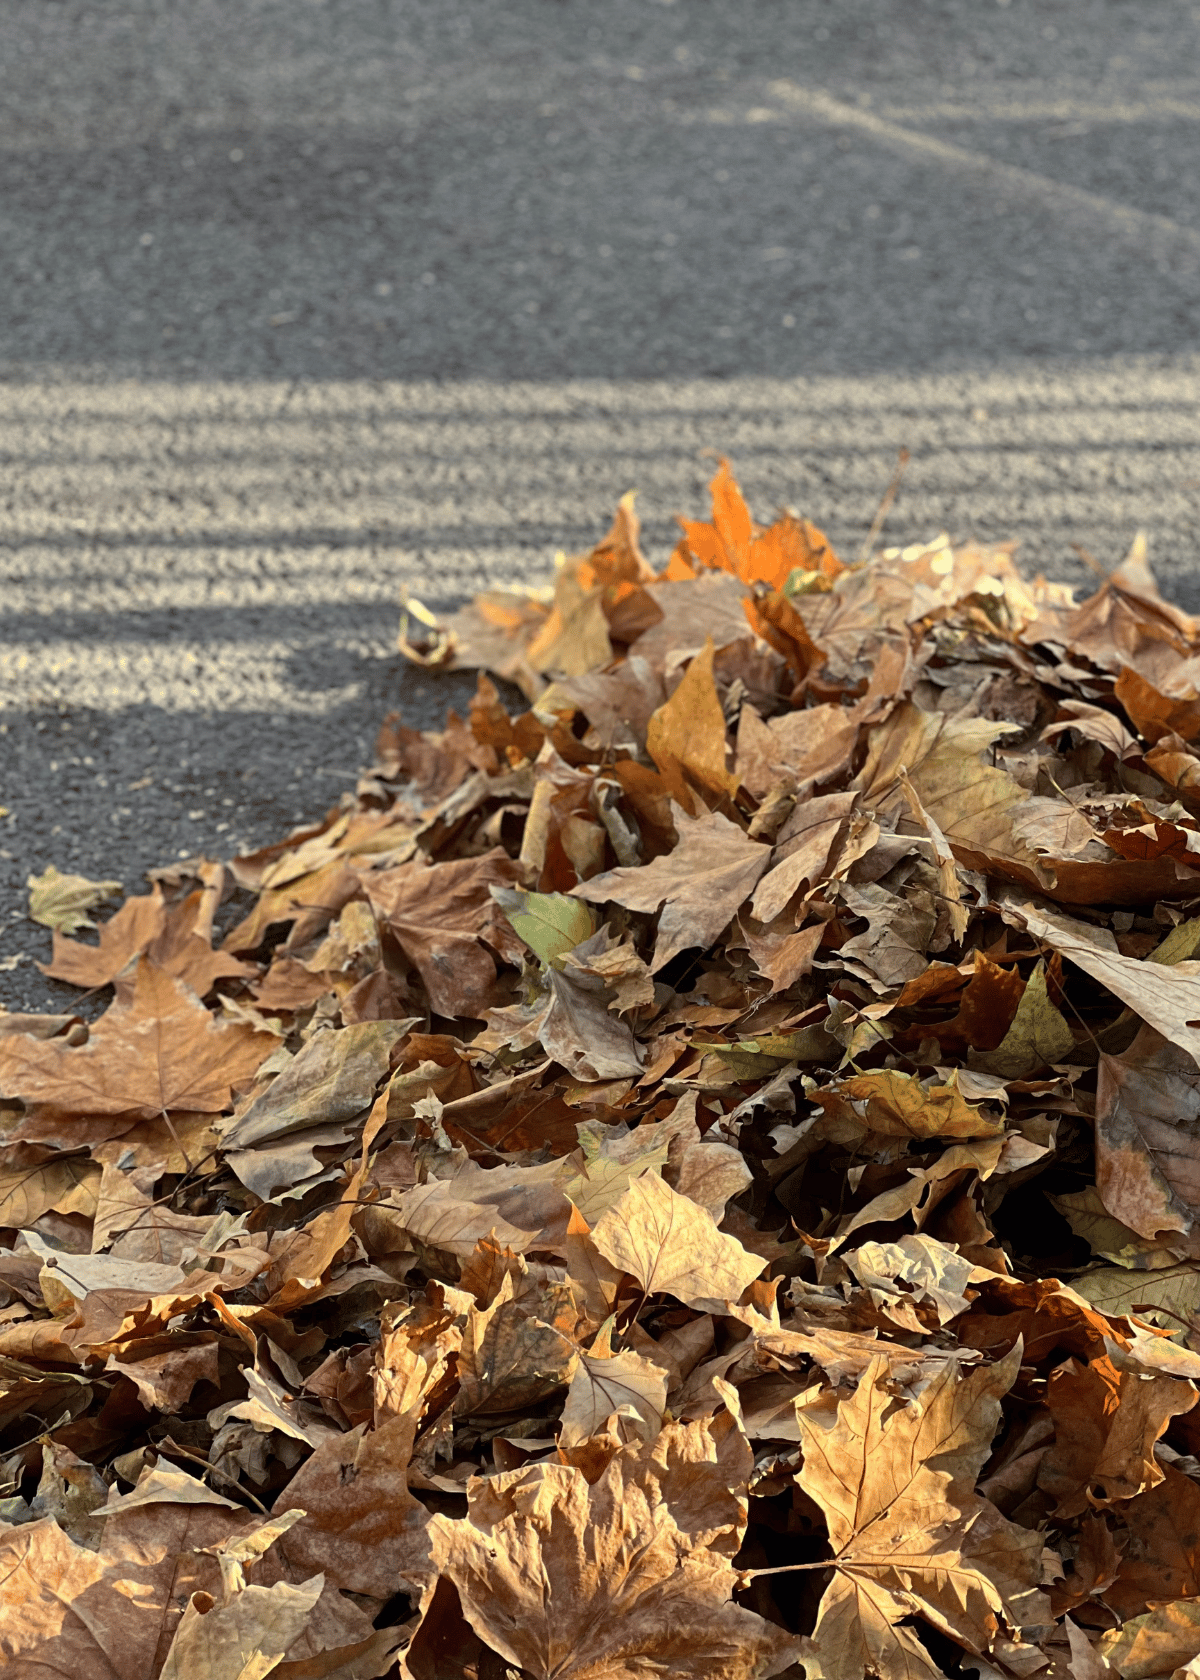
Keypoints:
(122, 938)
(624, 1383)
(66, 1184)
(243, 1640)
(909, 1534)
(686, 737)
(579, 1031)
(62, 902)
(673, 1247)
(359, 1524)
(156, 1050)
(551, 924)
(571, 1582)
(894, 1104)
(440, 1214)
(701, 884)
(131, 1591)
(1164, 1296)
(931, 1270)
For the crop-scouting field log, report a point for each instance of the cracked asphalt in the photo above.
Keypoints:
(309, 300)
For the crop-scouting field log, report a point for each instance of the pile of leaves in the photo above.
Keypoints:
(699, 1176)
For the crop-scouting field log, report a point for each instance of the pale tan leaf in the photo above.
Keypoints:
(244, 1639)
(62, 902)
(625, 1383)
(673, 1247)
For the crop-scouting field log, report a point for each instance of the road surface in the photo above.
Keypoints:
(308, 301)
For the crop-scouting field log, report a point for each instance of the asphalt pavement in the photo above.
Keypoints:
(305, 301)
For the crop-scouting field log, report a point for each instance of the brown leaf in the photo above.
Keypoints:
(122, 938)
(592, 1583)
(624, 1383)
(333, 1078)
(1106, 1424)
(248, 1635)
(157, 1050)
(908, 1532)
(1154, 715)
(1160, 1531)
(1148, 1136)
(803, 850)
(110, 1614)
(1164, 1640)
(361, 1527)
(510, 1359)
(701, 884)
(686, 738)
(448, 925)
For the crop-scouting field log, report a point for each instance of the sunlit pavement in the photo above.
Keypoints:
(308, 302)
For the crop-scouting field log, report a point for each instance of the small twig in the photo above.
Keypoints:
(884, 508)
(168, 1446)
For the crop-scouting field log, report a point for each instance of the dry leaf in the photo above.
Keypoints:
(909, 1534)
(62, 902)
(700, 885)
(580, 1582)
(157, 1050)
(673, 1247)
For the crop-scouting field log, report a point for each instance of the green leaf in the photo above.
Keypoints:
(1180, 945)
(1038, 1037)
(551, 924)
(758, 1058)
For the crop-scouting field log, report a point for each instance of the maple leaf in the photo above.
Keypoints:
(601, 1583)
(908, 1533)
(701, 884)
(673, 1247)
(157, 1050)
(445, 919)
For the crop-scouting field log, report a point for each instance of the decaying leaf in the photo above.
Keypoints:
(699, 1176)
